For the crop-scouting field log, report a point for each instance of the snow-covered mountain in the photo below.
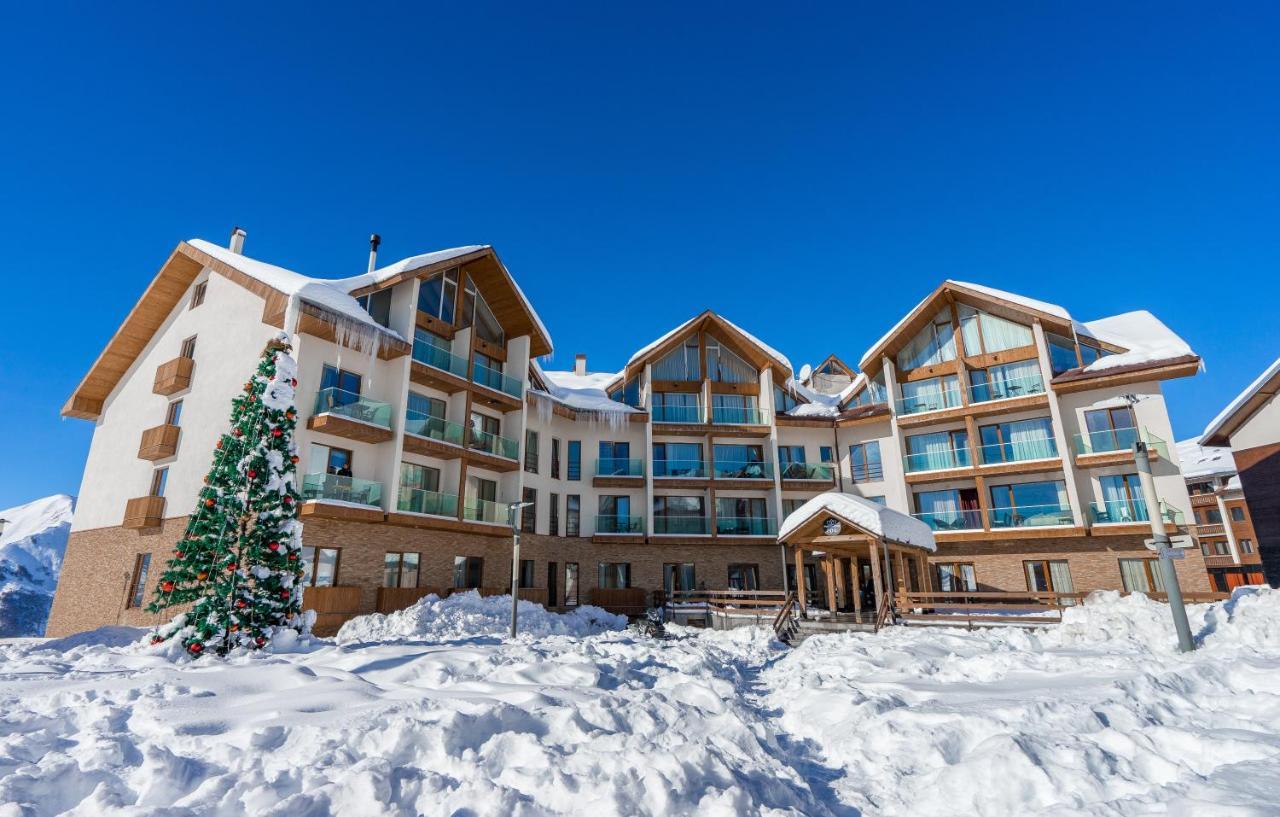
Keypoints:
(31, 551)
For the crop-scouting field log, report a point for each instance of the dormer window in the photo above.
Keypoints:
(438, 294)
(476, 313)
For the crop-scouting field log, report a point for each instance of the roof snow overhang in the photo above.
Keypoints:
(1244, 406)
(723, 330)
(1082, 379)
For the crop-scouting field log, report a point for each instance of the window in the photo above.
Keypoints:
(141, 565)
(1246, 545)
(437, 295)
(1089, 354)
(555, 458)
(1141, 576)
(676, 407)
(949, 509)
(783, 401)
(483, 435)
(735, 408)
(1110, 429)
(879, 500)
(826, 453)
(739, 461)
(744, 577)
(678, 460)
(572, 515)
(679, 514)
(529, 513)
(526, 573)
(467, 572)
(476, 313)
(173, 416)
(628, 393)
(420, 491)
(724, 366)
(864, 462)
(1200, 488)
(680, 364)
(1006, 381)
(1121, 499)
(574, 470)
(1048, 577)
(1212, 516)
(615, 575)
(1062, 353)
(197, 294)
(425, 417)
(1030, 504)
(788, 456)
(956, 577)
(159, 479)
(325, 459)
(338, 387)
(1221, 548)
(873, 392)
(1237, 514)
(553, 515)
(741, 516)
(938, 451)
(570, 584)
(678, 577)
(932, 394)
(378, 305)
(188, 348)
(319, 566)
(1017, 441)
(615, 460)
(790, 506)
(934, 344)
(984, 333)
(614, 515)
(400, 570)
(531, 451)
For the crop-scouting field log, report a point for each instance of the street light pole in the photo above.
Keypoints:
(1163, 550)
(513, 512)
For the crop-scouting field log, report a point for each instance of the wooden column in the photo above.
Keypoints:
(829, 567)
(802, 591)
(876, 581)
(841, 590)
(902, 572)
(856, 589)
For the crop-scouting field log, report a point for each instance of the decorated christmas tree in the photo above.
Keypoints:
(239, 565)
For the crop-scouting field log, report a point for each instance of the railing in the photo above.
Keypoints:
(934, 401)
(433, 428)
(420, 500)
(1006, 388)
(866, 473)
(951, 520)
(619, 524)
(1210, 529)
(761, 605)
(617, 467)
(494, 444)
(745, 526)
(350, 404)
(484, 510)
(676, 414)
(824, 471)
(1118, 439)
(342, 489)
(1041, 449)
(496, 380)
(969, 608)
(741, 469)
(938, 460)
(1124, 511)
(1030, 516)
(679, 524)
(437, 354)
(782, 622)
(737, 415)
(680, 468)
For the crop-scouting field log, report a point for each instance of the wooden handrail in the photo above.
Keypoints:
(780, 620)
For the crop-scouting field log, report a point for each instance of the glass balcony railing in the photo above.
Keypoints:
(436, 352)
(739, 469)
(824, 471)
(1039, 449)
(1030, 516)
(680, 468)
(619, 524)
(737, 415)
(676, 414)
(951, 520)
(1006, 388)
(496, 380)
(484, 510)
(680, 524)
(745, 526)
(615, 467)
(492, 444)
(350, 404)
(419, 500)
(1125, 511)
(433, 428)
(934, 401)
(1118, 439)
(938, 460)
(342, 489)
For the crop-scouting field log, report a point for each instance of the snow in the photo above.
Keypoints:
(1013, 297)
(819, 404)
(1216, 424)
(413, 262)
(31, 551)
(780, 358)
(1143, 334)
(1099, 715)
(872, 517)
(584, 392)
(1204, 461)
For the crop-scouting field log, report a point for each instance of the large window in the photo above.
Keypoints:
(874, 392)
(678, 577)
(864, 462)
(615, 515)
(400, 570)
(676, 407)
(468, 572)
(615, 459)
(934, 344)
(955, 577)
(1141, 576)
(1006, 381)
(320, 566)
(739, 461)
(437, 295)
(1048, 576)
(790, 506)
(1122, 499)
(425, 416)
(628, 393)
(678, 460)
(679, 514)
(984, 333)
(378, 305)
(1062, 354)
(573, 515)
(791, 461)
(735, 408)
(338, 387)
(1018, 441)
(938, 451)
(1110, 429)
(741, 516)
(419, 491)
(725, 367)
(744, 577)
(932, 394)
(141, 566)
(1030, 504)
(327, 459)
(574, 469)
(783, 401)
(680, 364)
(949, 509)
(476, 313)
(615, 575)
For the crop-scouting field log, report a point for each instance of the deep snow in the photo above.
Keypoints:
(31, 551)
(1096, 716)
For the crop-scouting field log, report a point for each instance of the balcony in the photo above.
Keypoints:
(484, 510)
(680, 525)
(737, 415)
(936, 401)
(1028, 451)
(492, 444)
(619, 525)
(143, 512)
(941, 460)
(1211, 529)
(1118, 440)
(159, 442)
(869, 472)
(433, 428)
(437, 353)
(1030, 516)
(1006, 389)
(745, 526)
(434, 503)
(808, 472)
(679, 469)
(614, 467)
(342, 489)
(1131, 511)
(742, 469)
(173, 376)
(676, 414)
(497, 381)
(347, 414)
(945, 521)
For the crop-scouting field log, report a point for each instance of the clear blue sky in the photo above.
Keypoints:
(810, 175)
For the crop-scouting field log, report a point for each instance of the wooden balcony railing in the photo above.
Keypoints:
(174, 376)
(143, 512)
(159, 442)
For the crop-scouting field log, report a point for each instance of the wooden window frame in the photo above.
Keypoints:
(138, 582)
(315, 561)
(957, 570)
(400, 554)
(198, 293)
(1048, 574)
(868, 475)
(188, 349)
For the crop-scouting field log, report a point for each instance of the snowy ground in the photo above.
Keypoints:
(1096, 716)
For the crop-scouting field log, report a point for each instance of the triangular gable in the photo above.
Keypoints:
(737, 340)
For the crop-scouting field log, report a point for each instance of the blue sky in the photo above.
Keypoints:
(811, 175)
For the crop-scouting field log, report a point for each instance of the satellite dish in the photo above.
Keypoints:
(805, 371)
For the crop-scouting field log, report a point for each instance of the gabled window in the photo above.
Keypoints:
(935, 343)
(783, 400)
(476, 313)
(628, 393)
(725, 367)
(984, 333)
(438, 294)
(680, 364)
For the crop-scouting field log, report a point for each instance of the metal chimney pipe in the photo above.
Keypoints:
(374, 241)
(237, 241)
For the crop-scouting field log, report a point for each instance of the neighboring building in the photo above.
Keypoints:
(1221, 521)
(1000, 421)
(831, 376)
(1250, 425)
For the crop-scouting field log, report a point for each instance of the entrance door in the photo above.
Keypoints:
(553, 574)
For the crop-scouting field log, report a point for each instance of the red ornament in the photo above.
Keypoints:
(177, 554)
(241, 603)
(288, 499)
(253, 474)
(167, 587)
(196, 648)
(294, 459)
(209, 502)
(275, 432)
(259, 641)
(235, 432)
(234, 628)
(202, 575)
(155, 639)
(284, 594)
(231, 567)
(294, 382)
(293, 557)
(248, 386)
(273, 546)
(290, 414)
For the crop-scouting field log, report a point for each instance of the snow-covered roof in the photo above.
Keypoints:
(1143, 334)
(404, 265)
(1013, 297)
(1217, 423)
(777, 356)
(872, 517)
(584, 392)
(819, 404)
(1204, 460)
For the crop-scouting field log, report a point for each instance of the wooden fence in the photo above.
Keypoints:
(333, 606)
(990, 608)
(713, 607)
(627, 601)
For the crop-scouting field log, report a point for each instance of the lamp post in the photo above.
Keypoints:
(1162, 547)
(513, 514)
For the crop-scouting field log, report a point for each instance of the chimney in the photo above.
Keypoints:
(237, 241)
(579, 364)
(374, 241)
